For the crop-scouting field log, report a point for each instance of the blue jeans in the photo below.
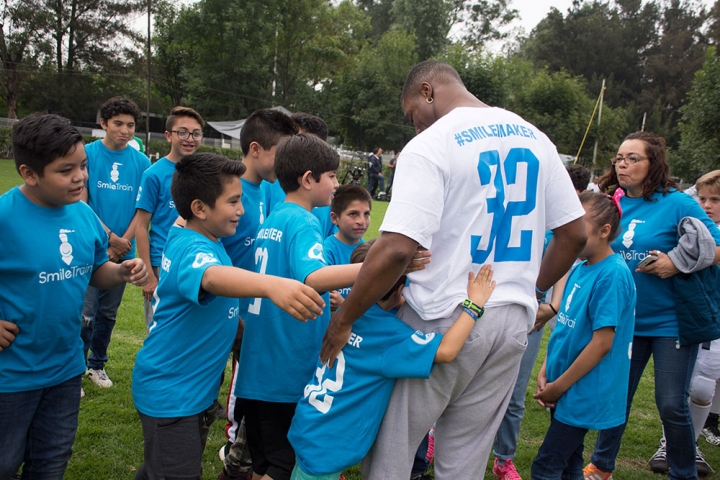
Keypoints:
(99, 312)
(505, 443)
(373, 180)
(673, 371)
(37, 429)
(561, 454)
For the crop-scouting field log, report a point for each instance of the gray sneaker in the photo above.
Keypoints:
(99, 377)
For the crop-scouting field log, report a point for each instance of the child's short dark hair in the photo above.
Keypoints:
(602, 210)
(201, 176)
(580, 176)
(299, 154)
(346, 194)
(311, 124)
(266, 127)
(40, 138)
(178, 112)
(359, 255)
(119, 106)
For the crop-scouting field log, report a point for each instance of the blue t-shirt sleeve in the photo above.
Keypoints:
(413, 357)
(148, 195)
(307, 253)
(191, 270)
(607, 301)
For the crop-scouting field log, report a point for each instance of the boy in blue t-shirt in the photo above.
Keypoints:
(155, 206)
(350, 212)
(261, 133)
(290, 245)
(115, 170)
(381, 349)
(54, 247)
(177, 371)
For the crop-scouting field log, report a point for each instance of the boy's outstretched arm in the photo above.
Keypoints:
(297, 299)
(599, 346)
(8, 331)
(480, 288)
(110, 275)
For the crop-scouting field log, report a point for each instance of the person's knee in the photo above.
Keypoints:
(702, 390)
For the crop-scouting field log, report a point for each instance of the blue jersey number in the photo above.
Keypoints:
(503, 215)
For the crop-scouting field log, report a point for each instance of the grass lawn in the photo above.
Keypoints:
(109, 440)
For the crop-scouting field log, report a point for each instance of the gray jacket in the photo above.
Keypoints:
(695, 249)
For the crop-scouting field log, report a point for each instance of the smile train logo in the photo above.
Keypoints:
(65, 247)
(630, 234)
(570, 297)
(114, 173)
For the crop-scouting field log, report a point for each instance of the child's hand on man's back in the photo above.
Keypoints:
(480, 286)
(8, 331)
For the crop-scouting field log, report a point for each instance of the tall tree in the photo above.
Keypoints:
(24, 24)
(699, 150)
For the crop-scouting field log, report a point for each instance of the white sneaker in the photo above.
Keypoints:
(99, 377)
(82, 392)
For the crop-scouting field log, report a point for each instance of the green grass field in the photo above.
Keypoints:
(109, 440)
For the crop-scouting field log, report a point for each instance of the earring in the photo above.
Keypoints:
(429, 100)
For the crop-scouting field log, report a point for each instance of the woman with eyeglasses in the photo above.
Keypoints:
(652, 207)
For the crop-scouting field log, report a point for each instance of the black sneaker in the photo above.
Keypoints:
(703, 467)
(658, 463)
(710, 431)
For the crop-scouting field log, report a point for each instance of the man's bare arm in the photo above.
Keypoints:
(385, 263)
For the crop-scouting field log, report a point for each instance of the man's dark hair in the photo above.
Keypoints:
(580, 176)
(299, 154)
(426, 72)
(311, 124)
(201, 176)
(375, 150)
(346, 194)
(266, 127)
(39, 139)
(359, 255)
(178, 112)
(119, 106)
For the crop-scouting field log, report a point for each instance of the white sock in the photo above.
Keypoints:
(699, 414)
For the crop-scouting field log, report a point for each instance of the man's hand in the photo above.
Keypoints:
(336, 336)
(120, 245)
(8, 332)
(297, 299)
(134, 271)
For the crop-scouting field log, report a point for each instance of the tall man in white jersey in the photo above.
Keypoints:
(477, 185)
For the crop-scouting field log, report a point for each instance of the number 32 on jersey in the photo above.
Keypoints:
(501, 173)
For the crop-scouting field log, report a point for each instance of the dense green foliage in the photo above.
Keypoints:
(346, 62)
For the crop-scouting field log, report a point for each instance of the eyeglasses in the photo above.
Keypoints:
(629, 160)
(184, 134)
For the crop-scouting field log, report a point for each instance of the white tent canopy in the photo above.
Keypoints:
(232, 128)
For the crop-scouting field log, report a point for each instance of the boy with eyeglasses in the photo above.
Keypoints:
(155, 206)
